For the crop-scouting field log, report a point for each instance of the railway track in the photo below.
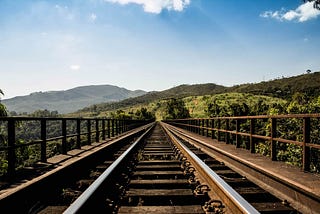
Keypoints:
(159, 171)
(165, 174)
(260, 199)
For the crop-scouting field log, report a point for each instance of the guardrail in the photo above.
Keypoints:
(79, 132)
(245, 131)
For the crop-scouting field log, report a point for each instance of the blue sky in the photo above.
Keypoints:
(153, 44)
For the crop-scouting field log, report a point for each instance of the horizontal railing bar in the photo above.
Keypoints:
(258, 117)
(282, 140)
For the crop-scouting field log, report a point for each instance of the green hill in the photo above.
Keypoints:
(308, 84)
(69, 100)
(105, 98)
(283, 88)
(176, 92)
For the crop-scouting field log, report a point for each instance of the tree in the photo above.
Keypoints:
(144, 114)
(316, 3)
(3, 110)
(176, 109)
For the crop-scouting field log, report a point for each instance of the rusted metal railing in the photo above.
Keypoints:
(84, 129)
(245, 131)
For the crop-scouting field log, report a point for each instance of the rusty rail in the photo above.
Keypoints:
(228, 195)
(231, 128)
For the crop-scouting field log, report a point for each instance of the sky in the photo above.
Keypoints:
(153, 45)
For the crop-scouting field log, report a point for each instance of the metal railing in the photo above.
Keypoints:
(246, 131)
(78, 129)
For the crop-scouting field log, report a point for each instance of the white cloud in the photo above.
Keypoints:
(93, 17)
(156, 6)
(303, 13)
(74, 67)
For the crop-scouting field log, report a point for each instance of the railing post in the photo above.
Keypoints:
(207, 127)
(219, 127)
(108, 127)
(11, 149)
(192, 126)
(117, 127)
(252, 140)
(78, 133)
(187, 125)
(306, 148)
(112, 127)
(227, 135)
(89, 131)
(64, 136)
(125, 125)
(121, 126)
(203, 127)
(103, 129)
(238, 137)
(212, 127)
(273, 142)
(43, 140)
(97, 130)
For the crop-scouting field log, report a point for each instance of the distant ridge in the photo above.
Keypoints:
(283, 88)
(109, 98)
(180, 91)
(69, 100)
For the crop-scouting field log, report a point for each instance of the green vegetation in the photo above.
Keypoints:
(3, 110)
(176, 109)
(284, 88)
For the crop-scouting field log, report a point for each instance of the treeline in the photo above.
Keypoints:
(139, 114)
(246, 104)
(284, 87)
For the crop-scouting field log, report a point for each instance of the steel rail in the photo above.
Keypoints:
(300, 199)
(234, 201)
(84, 199)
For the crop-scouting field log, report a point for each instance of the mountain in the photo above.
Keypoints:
(109, 98)
(284, 88)
(180, 91)
(69, 100)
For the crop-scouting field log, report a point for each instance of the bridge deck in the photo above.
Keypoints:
(292, 175)
(53, 164)
(305, 181)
